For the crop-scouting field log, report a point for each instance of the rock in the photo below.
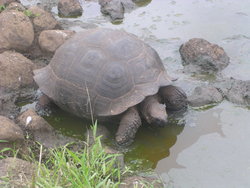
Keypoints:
(30, 121)
(200, 56)
(7, 105)
(41, 130)
(18, 172)
(69, 8)
(116, 8)
(204, 95)
(11, 133)
(141, 181)
(16, 72)
(239, 92)
(100, 131)
(7, 2)
(236, 91)
(119, 159)
(16, 6)
(113, 8)
(128, 5)
(50, 40)
(16, 31)
(41, 19)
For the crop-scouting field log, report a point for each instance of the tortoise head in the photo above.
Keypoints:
(157, 115)
(153, 111)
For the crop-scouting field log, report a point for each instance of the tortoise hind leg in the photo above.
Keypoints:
(129, 124)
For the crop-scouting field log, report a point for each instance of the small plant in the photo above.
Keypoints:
(30, 14)
(7, 151)
(2, 151)
(2, 8)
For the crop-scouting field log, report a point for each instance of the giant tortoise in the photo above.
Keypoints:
(102, 73)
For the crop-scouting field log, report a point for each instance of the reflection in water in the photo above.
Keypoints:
(214, 160)
(67, 123)
(153, 144)
(204, 123)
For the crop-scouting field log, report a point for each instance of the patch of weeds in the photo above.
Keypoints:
(89, 167)
(4, 150)
(2, 8)
(30, 14)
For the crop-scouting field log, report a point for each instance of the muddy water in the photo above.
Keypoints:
(213, 148)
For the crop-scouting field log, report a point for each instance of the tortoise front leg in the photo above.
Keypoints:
(129, 124)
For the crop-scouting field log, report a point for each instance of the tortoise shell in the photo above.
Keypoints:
(102, 72)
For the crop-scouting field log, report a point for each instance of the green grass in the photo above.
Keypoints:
(30, 14)
(4, 150)
(2, 8)
(91, 167)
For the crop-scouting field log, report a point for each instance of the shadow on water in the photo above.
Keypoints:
(67, 123)
(199, 123)
(153, 144)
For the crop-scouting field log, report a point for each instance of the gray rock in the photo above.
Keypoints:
(15, 6)
(41, 130)
(113, 8)
(204, 95)
(141, 181)
(18, 172)
(16, 31)
(50, 40)
(16, 72)
(11, 133)
(116, 8)
(42, 20)
(119, 159)
(69, 8)
(7, 2)
(7, 105)
(236, 91)
(101, 131)
(200, 56)
(128, 5)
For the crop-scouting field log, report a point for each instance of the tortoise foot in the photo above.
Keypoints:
(128, 127)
